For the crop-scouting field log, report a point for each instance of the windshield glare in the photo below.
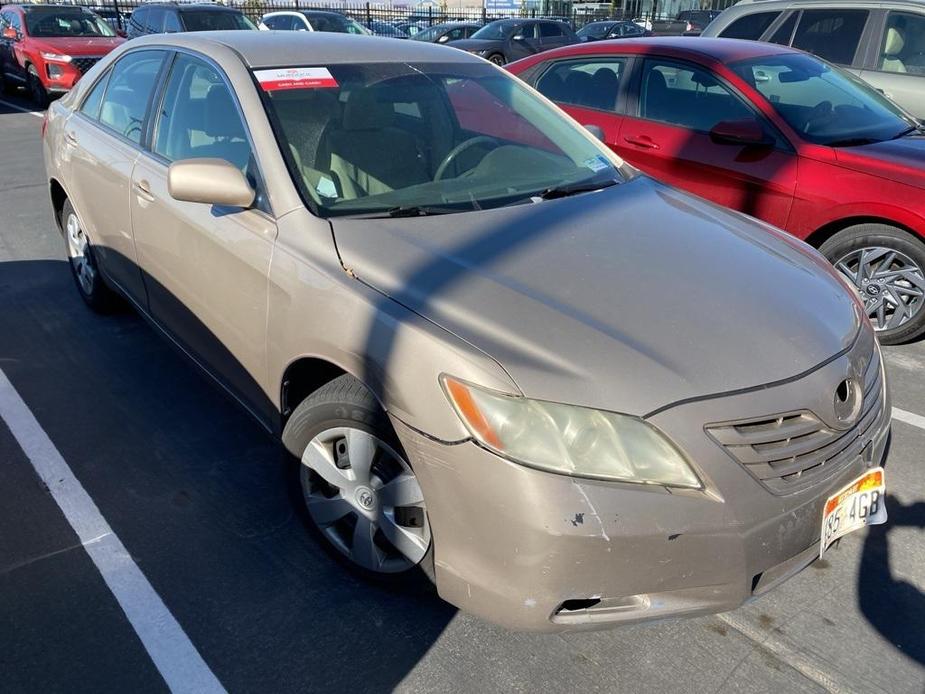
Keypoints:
(215, 21)
(455, 136)
(62, 24)
(496, 31)
(822, 103)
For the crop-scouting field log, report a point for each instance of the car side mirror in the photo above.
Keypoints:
(595, 130)
(739, 132)
(518, 37)
(443, 39)
(209, 181)
(10, 33)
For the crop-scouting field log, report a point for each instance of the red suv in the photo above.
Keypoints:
(770, 131)
(46, 48)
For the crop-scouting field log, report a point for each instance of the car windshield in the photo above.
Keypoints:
(429, 33)
(822, 103)
(597, 30)
(210, 20)
(496, 31)
(68, 23)
(424, 138)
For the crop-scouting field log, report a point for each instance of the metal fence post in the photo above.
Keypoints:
(369, 17)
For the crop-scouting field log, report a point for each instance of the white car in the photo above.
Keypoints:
(286, 21)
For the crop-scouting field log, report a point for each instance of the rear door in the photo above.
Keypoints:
(668, 137)
(102, 142)
(553, 35)
(205, 265)
(898, 66)
(591, 90)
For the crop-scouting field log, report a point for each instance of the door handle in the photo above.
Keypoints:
(643, 141)
(70, 138)
(143, 190)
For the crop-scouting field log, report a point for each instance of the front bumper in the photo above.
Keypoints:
(537, 551)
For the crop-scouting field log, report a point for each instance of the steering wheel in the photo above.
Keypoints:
(821, 110)
(459, 149)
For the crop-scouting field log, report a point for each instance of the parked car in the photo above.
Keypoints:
(450, 31)
(171, 18)
(687, 22)
(442, 293)
(312, 20)
(882, 42)
(385, 29)
(410, 28)
(775, 133)
(611, 29)
(509, 39)
(47, 48)
(114, 18)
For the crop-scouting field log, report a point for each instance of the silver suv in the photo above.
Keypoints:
(884, 42)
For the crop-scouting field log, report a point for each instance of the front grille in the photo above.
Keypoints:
(84, 64)
(787, 452)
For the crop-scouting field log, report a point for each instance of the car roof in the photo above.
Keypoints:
(722, 50)
(264, 49)
(197, 6)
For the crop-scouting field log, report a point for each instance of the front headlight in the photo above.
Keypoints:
(60, 57)
(570, 440)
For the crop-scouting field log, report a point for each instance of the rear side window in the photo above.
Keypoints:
(281, 22)
(833, 35)
(593, 83)
(751, 26)
(785, 31)
(550, 29)
(903, 47)
(138, 20)
(91, 105)
(130, 85)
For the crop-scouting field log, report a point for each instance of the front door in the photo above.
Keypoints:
(205, 266)
(678, 105)
(899, 70)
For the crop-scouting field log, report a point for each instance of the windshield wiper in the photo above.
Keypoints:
(852, 142)
(566, 190)
(404, 211)
(908, 131)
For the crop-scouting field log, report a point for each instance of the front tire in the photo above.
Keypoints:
(887, 267)
(497, 59)
(90, 283)
(361, 496)
(36, 89)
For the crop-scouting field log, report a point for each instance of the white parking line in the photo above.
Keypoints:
(37, 114)
(173, 654)
(909, 418)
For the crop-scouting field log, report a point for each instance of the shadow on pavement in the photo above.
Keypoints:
(893, 606)
(199, 495)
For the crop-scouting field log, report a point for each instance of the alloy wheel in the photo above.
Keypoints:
(890, 283)
(365, 499)
(78, 251)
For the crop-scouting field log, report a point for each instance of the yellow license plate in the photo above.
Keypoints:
(860, 504)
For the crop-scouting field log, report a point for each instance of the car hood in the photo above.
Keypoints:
(898, 160)
(88, 45)
(627, 299)
(473, 45)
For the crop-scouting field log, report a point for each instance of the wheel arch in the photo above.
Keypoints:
(828, 230)
(303, 376)
(58, 198)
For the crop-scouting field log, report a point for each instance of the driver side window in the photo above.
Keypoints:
(130, 86)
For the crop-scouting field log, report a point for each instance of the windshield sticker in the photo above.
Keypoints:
(295, 78)
(597, 163)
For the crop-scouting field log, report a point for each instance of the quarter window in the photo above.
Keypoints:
(751, 26)
(687, 96)
(903, 47)
(130, 86)
(833, 35)
(589, 83)
(172, 23)
(91, 104)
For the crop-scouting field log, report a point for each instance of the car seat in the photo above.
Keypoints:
(892, 49)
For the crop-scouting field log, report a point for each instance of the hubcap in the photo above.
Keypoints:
(365, 499)
(890, 283)
(78, 251)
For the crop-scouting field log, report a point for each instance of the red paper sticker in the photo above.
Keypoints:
(295, 78)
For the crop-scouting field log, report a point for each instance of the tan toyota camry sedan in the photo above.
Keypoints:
(498, 356)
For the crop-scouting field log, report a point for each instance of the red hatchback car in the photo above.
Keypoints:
(770, 131)
(46, 48)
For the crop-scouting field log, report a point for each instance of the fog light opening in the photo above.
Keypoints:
(578, 604)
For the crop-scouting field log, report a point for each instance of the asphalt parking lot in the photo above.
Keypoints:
(196, 494)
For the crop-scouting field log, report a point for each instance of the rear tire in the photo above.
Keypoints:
(887, 267)
(37, 90)
(84, 269)
(357, 492)
(497, 59)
